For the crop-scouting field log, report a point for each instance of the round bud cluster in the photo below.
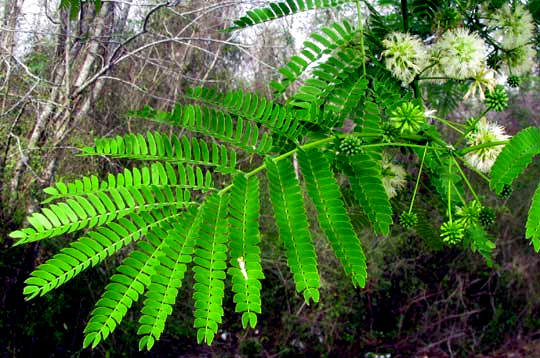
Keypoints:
(506, 191)
(350, 145)
(452, 232)
(408, 118)
(497, 99)
(468, 214)
(408, 220)
(513, 81)
(486, 216)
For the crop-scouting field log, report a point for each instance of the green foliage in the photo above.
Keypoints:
(246, 270)
(479, 241)
(252, 107)
(324, 190)
(321, 43)
(279, 9)
(210, 264)
(533, 221)
(160, 147)
(90, 250)
(293, 227)
(89, 203)
(169, 273)
(218, 125)
(515, 158)
(127, 285)
(369, 191)
(196, 205)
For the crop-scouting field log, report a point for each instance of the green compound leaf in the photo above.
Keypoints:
(210, 265)
(533, 221)
(246, 270)
(221, 126)
(127, 285)
(169, 273)
(251, 107)
(324, 190)
(293, 227)
(165, 148)
(280, 9)
(89, 203)
(515, 158)
(91, 250)
(368, 188)
(328, 39)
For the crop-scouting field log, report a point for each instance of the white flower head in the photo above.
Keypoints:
(514, 24)
(484, 133)
(460, 54)
(393, 177)
(404, 55)
(520, 60)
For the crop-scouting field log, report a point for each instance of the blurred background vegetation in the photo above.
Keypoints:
(422, 299)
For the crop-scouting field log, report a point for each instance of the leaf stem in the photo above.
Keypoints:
(418, 177)
(449, 124)
(361, 28)
(480, 146)
(409, 145)
(450, 191)
(280, 157)
(466, 180)
(480, 174)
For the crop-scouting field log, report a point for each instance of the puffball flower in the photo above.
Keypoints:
(460, 54)
(514, 24)
(393, 177)
(485, 132)
(405, 55)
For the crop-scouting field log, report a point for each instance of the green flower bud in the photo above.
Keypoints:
(408, 118)
(497, 99)
(469, 214)
(408, 220)
(506, 191)
(486, 216)
(513, 81)
(350, 145)
(452, 232)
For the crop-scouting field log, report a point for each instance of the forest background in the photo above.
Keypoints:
(67, 78)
